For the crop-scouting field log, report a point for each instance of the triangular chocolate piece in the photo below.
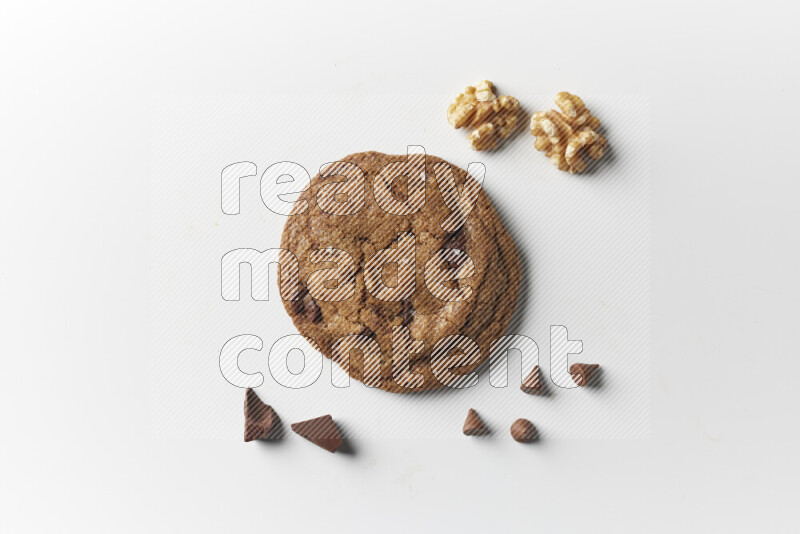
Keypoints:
(259, 418)
(320, 431)
(532, 384)
(474, 425)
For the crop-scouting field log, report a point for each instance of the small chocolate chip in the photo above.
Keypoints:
(474, 425)
(532, 384)
(582, 372)
(523, 431)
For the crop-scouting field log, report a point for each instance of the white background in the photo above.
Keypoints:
(79, 84)
(584, 243)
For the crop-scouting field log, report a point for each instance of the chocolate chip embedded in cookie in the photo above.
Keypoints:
(460, 281)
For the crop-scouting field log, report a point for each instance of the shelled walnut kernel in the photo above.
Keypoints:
(568, 136)
(491, 118)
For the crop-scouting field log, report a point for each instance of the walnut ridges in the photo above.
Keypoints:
(570, 136)
(491, 118)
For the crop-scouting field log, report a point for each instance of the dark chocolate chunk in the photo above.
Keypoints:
(523, 431)
(532, 383)
(259, 418)
(320, 431)
(457, 239)
(582, 372)
(408, 312)
(474, 425)
(366, 331)
(299, 305)
(312, 312)
(307, 307)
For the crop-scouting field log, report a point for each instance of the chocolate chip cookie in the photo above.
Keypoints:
(378, 222)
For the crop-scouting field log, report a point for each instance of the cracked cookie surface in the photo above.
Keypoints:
(482, 317)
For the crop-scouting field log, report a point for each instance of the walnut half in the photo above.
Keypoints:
(568, 136)
(491, 117)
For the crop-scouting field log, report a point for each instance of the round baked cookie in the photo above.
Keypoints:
(482, 317)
